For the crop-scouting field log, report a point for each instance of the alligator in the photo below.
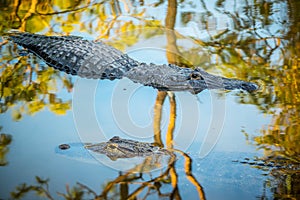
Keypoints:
(89, 59)
(117, 147)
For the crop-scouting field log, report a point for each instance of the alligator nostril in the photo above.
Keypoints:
(64, 146)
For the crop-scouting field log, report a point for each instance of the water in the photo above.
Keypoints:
(42, 108)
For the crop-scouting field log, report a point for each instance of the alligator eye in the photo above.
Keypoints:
(196, 76)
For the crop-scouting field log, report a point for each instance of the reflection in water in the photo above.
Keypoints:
(283, 175)
(41, 189)
(161, 96)
(138, 181)
(282, 137)
(259, 40)
(128, 185)
(285, 184)
(27, 88)
(5, 140)
(169, 140)
(279, 53)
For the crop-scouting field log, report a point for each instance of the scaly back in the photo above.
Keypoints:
(76, 56)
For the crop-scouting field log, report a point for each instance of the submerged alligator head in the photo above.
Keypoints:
(120, 154)
(90, 59)
(117, 147)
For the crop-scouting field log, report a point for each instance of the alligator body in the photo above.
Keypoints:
(118, 147)
(97, 60)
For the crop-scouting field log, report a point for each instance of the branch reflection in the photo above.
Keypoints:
(5, 141)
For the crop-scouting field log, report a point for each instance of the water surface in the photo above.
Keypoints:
(214, 130)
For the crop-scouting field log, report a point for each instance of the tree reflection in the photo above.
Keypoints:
(27, 88)
(285, 185)
(277, 66)
(260, 40)
(128, 185)
(5, 140)
(259, 47)
(266, 47)
(41, 189)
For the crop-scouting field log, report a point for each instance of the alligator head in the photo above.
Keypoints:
(174, 78)
(117, 147)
